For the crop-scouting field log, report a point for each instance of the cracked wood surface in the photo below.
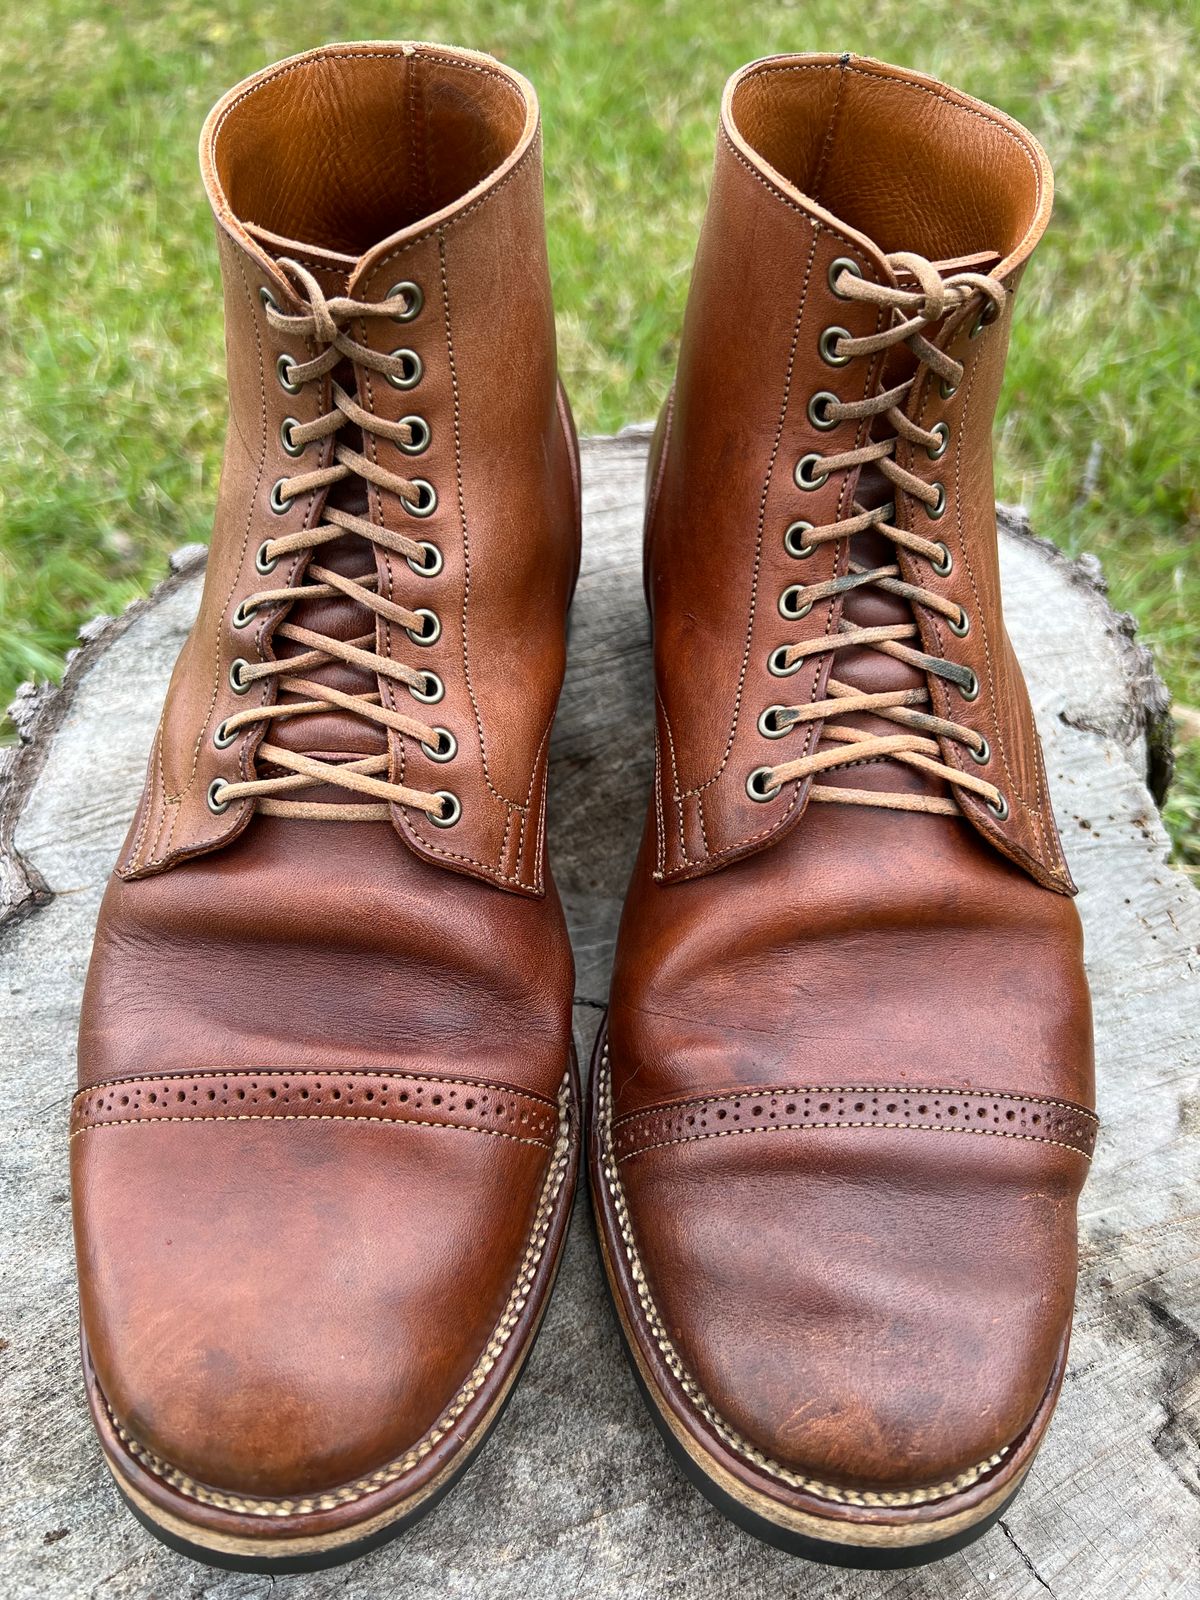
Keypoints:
(575, 1496)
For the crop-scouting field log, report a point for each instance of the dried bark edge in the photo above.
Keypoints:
(38, 711)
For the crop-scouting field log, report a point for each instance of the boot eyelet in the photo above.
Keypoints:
(413, 297)
(818, 410)
(222, 737)
(945, 566)
(827, 347)
(214, 805)
(768, 724)
(263, 561)
(268, 299)
(432, 692)
(984, 320)
(413, 368)
(790, 604)
(793, 541)
(244, 615)
(421, 436)
(758, 788)
(429, 634)
(426, 505)
(238, 682)
(803, 473)
(445, 749)
(432, 564)
(937, 510)
(776, 663)
(450, 812)
(279, 505)
(962, 627)
(935, 452)
(970, 690)
(286, 440)
(283, 369)
(836, 268)
(947, 390)
(983, 754)
(1000, 810)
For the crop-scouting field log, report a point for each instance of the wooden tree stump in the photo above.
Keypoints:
(575, 1495)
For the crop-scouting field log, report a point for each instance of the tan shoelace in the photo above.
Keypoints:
(324, 324)
(913, 310)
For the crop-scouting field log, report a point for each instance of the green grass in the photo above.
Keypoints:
(111, 320)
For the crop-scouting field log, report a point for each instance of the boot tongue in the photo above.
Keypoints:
(333, 734)
(870, 607)
(981, 261)
(315, 257)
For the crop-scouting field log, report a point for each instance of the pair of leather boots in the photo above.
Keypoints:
(326, 1138)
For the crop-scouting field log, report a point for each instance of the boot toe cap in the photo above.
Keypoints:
(872, 1312)
(281, 1307)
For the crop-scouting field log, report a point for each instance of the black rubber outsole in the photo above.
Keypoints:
(282, 1566)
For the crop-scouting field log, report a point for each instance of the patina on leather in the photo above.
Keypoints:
(438, 183)
(325, 1141)
(842, 1110)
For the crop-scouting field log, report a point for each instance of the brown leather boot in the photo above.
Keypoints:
(850, 928)
(325, 1142)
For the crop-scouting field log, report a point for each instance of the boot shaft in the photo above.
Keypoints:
(380, 174)
(828, 166)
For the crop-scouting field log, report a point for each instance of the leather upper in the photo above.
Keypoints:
(281, 1308)
(500, 452)
(324, 1143)
(722, 475)
(844, 1104)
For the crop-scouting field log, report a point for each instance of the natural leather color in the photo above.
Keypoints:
(436, 180)
(325, 1142)
(842, 1109)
